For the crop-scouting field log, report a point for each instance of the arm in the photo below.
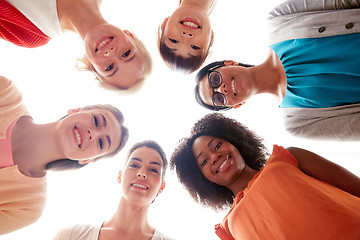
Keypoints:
(327, 171)
(340, 123)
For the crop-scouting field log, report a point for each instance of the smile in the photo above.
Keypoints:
(190, 23)
(136, 185)
(103, 43)
(77, 136)
(224, 165)
(234, 87)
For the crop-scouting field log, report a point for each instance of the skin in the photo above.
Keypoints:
(241, 83)
(120, 54)
(236, 175)
(58, 139)
(220, 162)
(141, 181)
(187, 40)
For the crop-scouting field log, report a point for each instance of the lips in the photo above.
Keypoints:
(77, 136)
(223, 164)
(103, 42)
(234, 87)
(139, 186)
(190, 23)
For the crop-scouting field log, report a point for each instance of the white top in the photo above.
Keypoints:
(42, 13)
(91, 232)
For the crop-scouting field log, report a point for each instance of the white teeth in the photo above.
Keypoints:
(139, 185)
(233, 86)
(190, 24)
(103, 43)
(223, 164)
(78, 138)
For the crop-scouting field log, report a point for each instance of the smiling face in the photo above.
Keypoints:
(237, 85)
(141, 178)
(88, 134)
(187, 32)
(114, 55)
(218, 160)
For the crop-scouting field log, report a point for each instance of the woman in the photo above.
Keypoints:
(29, 149)
(184, 38)
(295, 194)
(309, 70)
(141, 179)
(115, 56)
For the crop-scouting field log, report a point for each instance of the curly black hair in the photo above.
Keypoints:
(183, 161)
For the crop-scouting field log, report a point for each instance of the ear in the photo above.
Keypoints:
(239, 105)
(130, 34)
(231, 63)
(163, 25)
(212, 38)
(72, 111)
(119, 176)
(86, 161)
(162, 187)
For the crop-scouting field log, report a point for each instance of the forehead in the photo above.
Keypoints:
(202, 143)
(146, 155)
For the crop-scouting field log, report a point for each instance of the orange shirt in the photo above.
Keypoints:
(22, 198)
(282, 202)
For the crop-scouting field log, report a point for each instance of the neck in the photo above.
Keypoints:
(206, 5)
(129, 220)
(34, 146)
(242, 180)
(270, 76)
(79, 16)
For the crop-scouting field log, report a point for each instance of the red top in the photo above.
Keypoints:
(16, 28)
(282, 202)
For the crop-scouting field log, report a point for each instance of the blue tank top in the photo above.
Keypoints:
(321, 72)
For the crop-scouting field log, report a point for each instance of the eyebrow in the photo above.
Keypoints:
(104, 120)
(208, 146)
(139, 160)
(113, 73)
(109, 140)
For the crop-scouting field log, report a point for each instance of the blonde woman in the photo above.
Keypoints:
(117, 57)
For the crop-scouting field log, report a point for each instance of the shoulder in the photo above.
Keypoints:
(79, 232)
(160, 236)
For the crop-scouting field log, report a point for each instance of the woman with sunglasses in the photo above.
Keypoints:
(311, 69)
(141, 180)
(29, 150)
(293, 194)
(117, 57)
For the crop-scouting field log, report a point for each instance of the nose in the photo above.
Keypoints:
(91, 134)
(222, 89)
(109, 51)
(141, 175)
(187, 34)
(215, 157)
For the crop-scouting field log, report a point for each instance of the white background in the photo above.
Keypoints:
(163, 110)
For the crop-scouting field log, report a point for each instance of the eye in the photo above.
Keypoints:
(100, 143)
(133, 165)
(217, 146)
(195, 47)
(96, 121)
(219, 99)
(204, 162)
(173, 40)
(111, 66)
(154, 170)
(127, 53)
